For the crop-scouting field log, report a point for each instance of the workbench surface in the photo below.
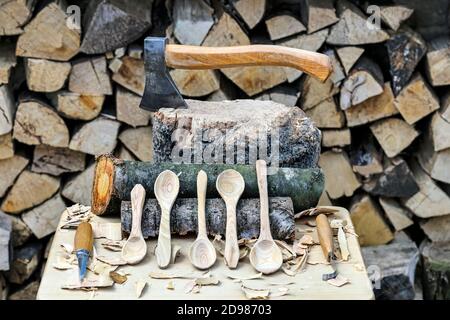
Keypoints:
(307, 284)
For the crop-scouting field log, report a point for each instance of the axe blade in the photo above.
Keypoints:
(160, 89)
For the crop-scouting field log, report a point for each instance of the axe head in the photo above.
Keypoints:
(160, 90)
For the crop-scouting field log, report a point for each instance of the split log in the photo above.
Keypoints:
(90, 77)
(327, 115)
(339, 177)
(124, 154)
(14, 15)
(396, 264)
(352, 28)
(405, 49)
(324, 200)
(314, 92)
(79, 188)
(45, 75)
(416, 100)
(440, 131)
(5, 242)
(445, 106)
(135, 51)
(394, 135)
(96, 137)
(435, 163)
(49, 36)
(251, 11)
(349, 56)
(78, 106)
(253, 123)
(56, 161)
(9, 170)
(375, 108)
(310, 42)
(394, 16)
(21, 233)
(192, 21)
(113, 24)
(399, 217)
(368, 221)
(6, 146)
(430, 201)
(7, 60)
(7, 109)
(37, 123)
(28, 191)
(438, 62)
(366, 160)
(195, 83)
(364, 81)
(437, 229)
(131, 75)
(435, 270)
(29, 292)
(338, 74)
(43, 219)
(25, 262)
(318, 14)
(283, 26)
(252, 80)
(285, 95)
(114, 179)
(139, 141)
(184, 217)
(396, 181)
(4, 288)
(128, 110)
(336, 138)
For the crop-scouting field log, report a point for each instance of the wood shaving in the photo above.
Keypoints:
(117, 277)
(339, 281)
(98, 282)
(64, 263)
(342, 238)
(350, 230)
(239, 278)
(316, 211)
(140, 286)
(243, 252)
(311, 223)
(255, 294)
(112, 261)
(280, 283)
(74, 215)
(108, 230)
(113, 245)
(167, 275)
(189, 286)
(279, 292)
(207, 281)
(306, 240)
(170, 285)
(175, 253)
(359, 267)
(67, 247)
(337, 223)
(100, 267)
(219, 244)
(287, 251)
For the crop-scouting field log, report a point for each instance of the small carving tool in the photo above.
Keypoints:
(84, 240)
(326, 242)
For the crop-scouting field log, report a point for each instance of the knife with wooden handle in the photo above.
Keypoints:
(83, 244)
(326, 243)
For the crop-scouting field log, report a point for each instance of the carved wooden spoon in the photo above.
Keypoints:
(135, 249)
(265, 255)
(230, 186)
(167, 186)
(202, 252)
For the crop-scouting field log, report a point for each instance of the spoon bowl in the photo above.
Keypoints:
(266, 256)
(202, 253)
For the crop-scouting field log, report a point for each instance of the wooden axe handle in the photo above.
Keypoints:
(325, 235)
(195, 57)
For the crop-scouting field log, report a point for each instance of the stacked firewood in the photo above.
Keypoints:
(69, 92)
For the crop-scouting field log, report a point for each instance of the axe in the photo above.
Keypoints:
(161, 91)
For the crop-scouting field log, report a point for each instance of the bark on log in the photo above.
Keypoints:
(282, 26)
(416, 100)
(436, 270)
(438, 62)
(25, 261)
(37, 123)
(183, 218)
(296, 141)
(128, 110)
(56, 161)
(131, 75)
(90, 77)
(366, 160)
(394, 16)
(7, 61)
(6, 146)
(9, 169)
(45, 75)
(397, 262)
(7, 109)
(21, 233)
(49, 36)
(327, 115)
(113, 24)
(394, 135)
(14, 15)
(77, 106)
(114, 179)
(79, 188)
(192, 20)
(349, 56)
(251, 11)
(368, 221)
(96, 137)
(29, 190)
(405, 49)
(336, 138)
(399, 217)
(318, 14)
(5, 242)
(139, 142)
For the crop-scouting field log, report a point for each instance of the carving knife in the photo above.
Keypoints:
(326, 242)
(83, 244)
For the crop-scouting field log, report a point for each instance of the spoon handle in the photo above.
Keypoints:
(231, 242)
(202, 181)
(164, 249)
(137, 204)
(261, 174)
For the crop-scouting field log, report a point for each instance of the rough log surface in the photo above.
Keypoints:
(436, 270)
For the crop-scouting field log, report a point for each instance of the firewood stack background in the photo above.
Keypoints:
(67, 95)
